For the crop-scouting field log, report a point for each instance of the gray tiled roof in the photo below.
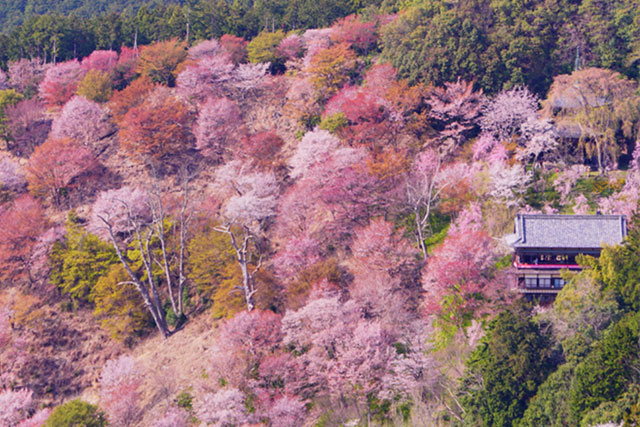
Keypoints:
(568, 231)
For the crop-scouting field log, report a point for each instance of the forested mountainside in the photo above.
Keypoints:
(300, 226)
(14, 12)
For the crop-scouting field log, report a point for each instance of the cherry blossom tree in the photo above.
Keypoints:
(36, 420)
(21, 224)
(119, 394)
(148, 229)
(219, 125)
(173, 417)
(158, 129)
(101, 60)
(425, 183)
(60, 83)
(291, 47)
(244, 341)
(26, 74)
(11, 174)
(385, 271)
(483, 146)
(205, 77)
(225, 407)
(126, 66)
(581, 205)
(567, 178)
(14, 406)
(83, 121)
(263, 148)
(302, 105)
(54, 165)
(508, 183)
(358, 34)
(503, 116)
(286, 411)
(625, 201)
(28, 126)
(253, 199)
(454, 110)
(313, 148)
(205, 48)
(540, 142)
(315, 331)
(235, 47)
(116, 206)
(299, 253)
(457, 273)
(248, 77)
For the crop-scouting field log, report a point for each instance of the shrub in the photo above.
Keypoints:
(76, 413)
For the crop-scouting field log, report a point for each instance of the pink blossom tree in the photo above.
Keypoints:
(205, 77)
(385, 270)
(457, 273)
(116, 206)
(358, 34)
(244, 341)
(119, 394)
(101, 60)
(219, 125)
(14, 406)
(204, 49)
(54, 166)
(299, 253)
(540, 141)
(28, 126)
(36, 420)
(302, 105)
(60, 83)
(83, 121)
(314, 148)
(315, 331)
(173, 417)
(286, 411)
(225, 407)
(11, 175)
(291, 47)
(380, 78)
(455, 110)
(566, 179)
(235, 47)
(504, 114)
(125, 68)
(26, 74)
(248, 77)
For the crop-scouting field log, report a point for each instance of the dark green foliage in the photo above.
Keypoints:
(625, 409)
(76, 413)
(185, 400)
(79, 261)
(550, 406)
(618, 269)
(504, 43)
(606, 372)
(504, 372)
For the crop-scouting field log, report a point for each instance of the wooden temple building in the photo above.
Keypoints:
(544, 245)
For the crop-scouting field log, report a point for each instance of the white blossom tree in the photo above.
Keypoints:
(252, 198)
